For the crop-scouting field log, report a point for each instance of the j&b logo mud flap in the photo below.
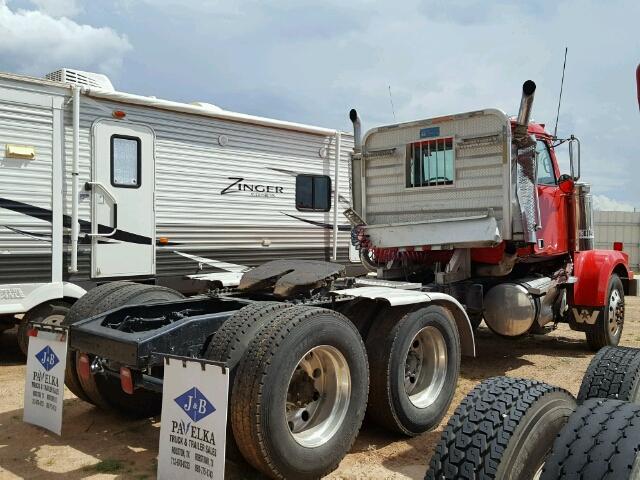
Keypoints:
(194, 419)
(44, 382)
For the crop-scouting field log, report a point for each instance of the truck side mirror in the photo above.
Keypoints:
(574, 157)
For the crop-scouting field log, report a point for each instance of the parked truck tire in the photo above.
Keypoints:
(231, 340)
(608, 327)
(414, 359)
(614, 372)
(229, 345)
(503, 429)
(600, 440)
(51, 313)
(80, 310)
(300, 393)
(105, 391)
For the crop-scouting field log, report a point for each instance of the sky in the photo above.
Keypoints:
(311, 62)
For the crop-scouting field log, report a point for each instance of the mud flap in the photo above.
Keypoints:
(581, 318)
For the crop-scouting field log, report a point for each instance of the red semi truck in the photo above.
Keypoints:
(476, 206)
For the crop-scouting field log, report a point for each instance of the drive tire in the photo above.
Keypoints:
(229, 345)
(51, 313)
(414, 357)
(600, 441)
(105, 391)
(503, 429)
(261, 424)
(603, 333)
(614, 372)
(230, 342)
(80, 310)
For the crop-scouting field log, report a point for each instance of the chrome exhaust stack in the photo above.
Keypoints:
(524, 113)
(357, 133)
(357, 168)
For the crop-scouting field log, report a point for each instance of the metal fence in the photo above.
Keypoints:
(619, 227)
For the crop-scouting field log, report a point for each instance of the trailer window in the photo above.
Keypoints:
(430, 163)
(546, 175)
(125, 161)
(313, 193)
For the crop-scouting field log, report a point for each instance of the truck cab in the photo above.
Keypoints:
(475, 204)
(553, 233)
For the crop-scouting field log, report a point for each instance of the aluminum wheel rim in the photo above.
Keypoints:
(616, 312)
(55, 319)
(538, 474)
(425, 367)
(318, 396)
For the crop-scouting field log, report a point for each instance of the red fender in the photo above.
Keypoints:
(593, 268)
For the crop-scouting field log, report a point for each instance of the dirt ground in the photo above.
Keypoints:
(99, 445)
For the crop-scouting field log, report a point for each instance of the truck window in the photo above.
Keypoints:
(126, 161)
(546, 175)
(313, 193)
(430, 163)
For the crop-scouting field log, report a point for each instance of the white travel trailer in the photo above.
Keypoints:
(98, 185)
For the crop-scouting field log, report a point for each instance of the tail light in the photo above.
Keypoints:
(126, 380)
(84, 366)
(618, 246)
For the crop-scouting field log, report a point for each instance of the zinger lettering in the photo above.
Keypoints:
(255, 189)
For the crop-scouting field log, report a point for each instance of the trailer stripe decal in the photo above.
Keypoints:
(85, 226)
(341, 228)
(30, 210)
(38, 236)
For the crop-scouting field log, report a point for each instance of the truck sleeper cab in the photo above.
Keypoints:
(474, 204)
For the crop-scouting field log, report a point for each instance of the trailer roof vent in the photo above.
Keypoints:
(208, 106)
(78, 77)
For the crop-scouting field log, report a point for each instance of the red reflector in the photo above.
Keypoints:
(32, 332)
(118, 114)
(126, 380)
(84, 366)
(618, 246)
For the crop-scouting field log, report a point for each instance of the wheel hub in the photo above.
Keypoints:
(425, 367)
(318, 396)
(615, 312)
(55, 319)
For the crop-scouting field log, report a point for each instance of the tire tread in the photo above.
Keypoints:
(248, 387)
(614, 372)
(600, 441)
(477, 434)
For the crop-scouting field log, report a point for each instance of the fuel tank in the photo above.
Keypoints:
(511, 309)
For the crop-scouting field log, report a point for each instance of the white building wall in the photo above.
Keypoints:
(619, 227)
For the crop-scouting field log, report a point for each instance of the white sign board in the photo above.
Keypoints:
(44, 383)
(194, 420)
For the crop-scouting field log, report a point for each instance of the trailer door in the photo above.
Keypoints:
(122, 200)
